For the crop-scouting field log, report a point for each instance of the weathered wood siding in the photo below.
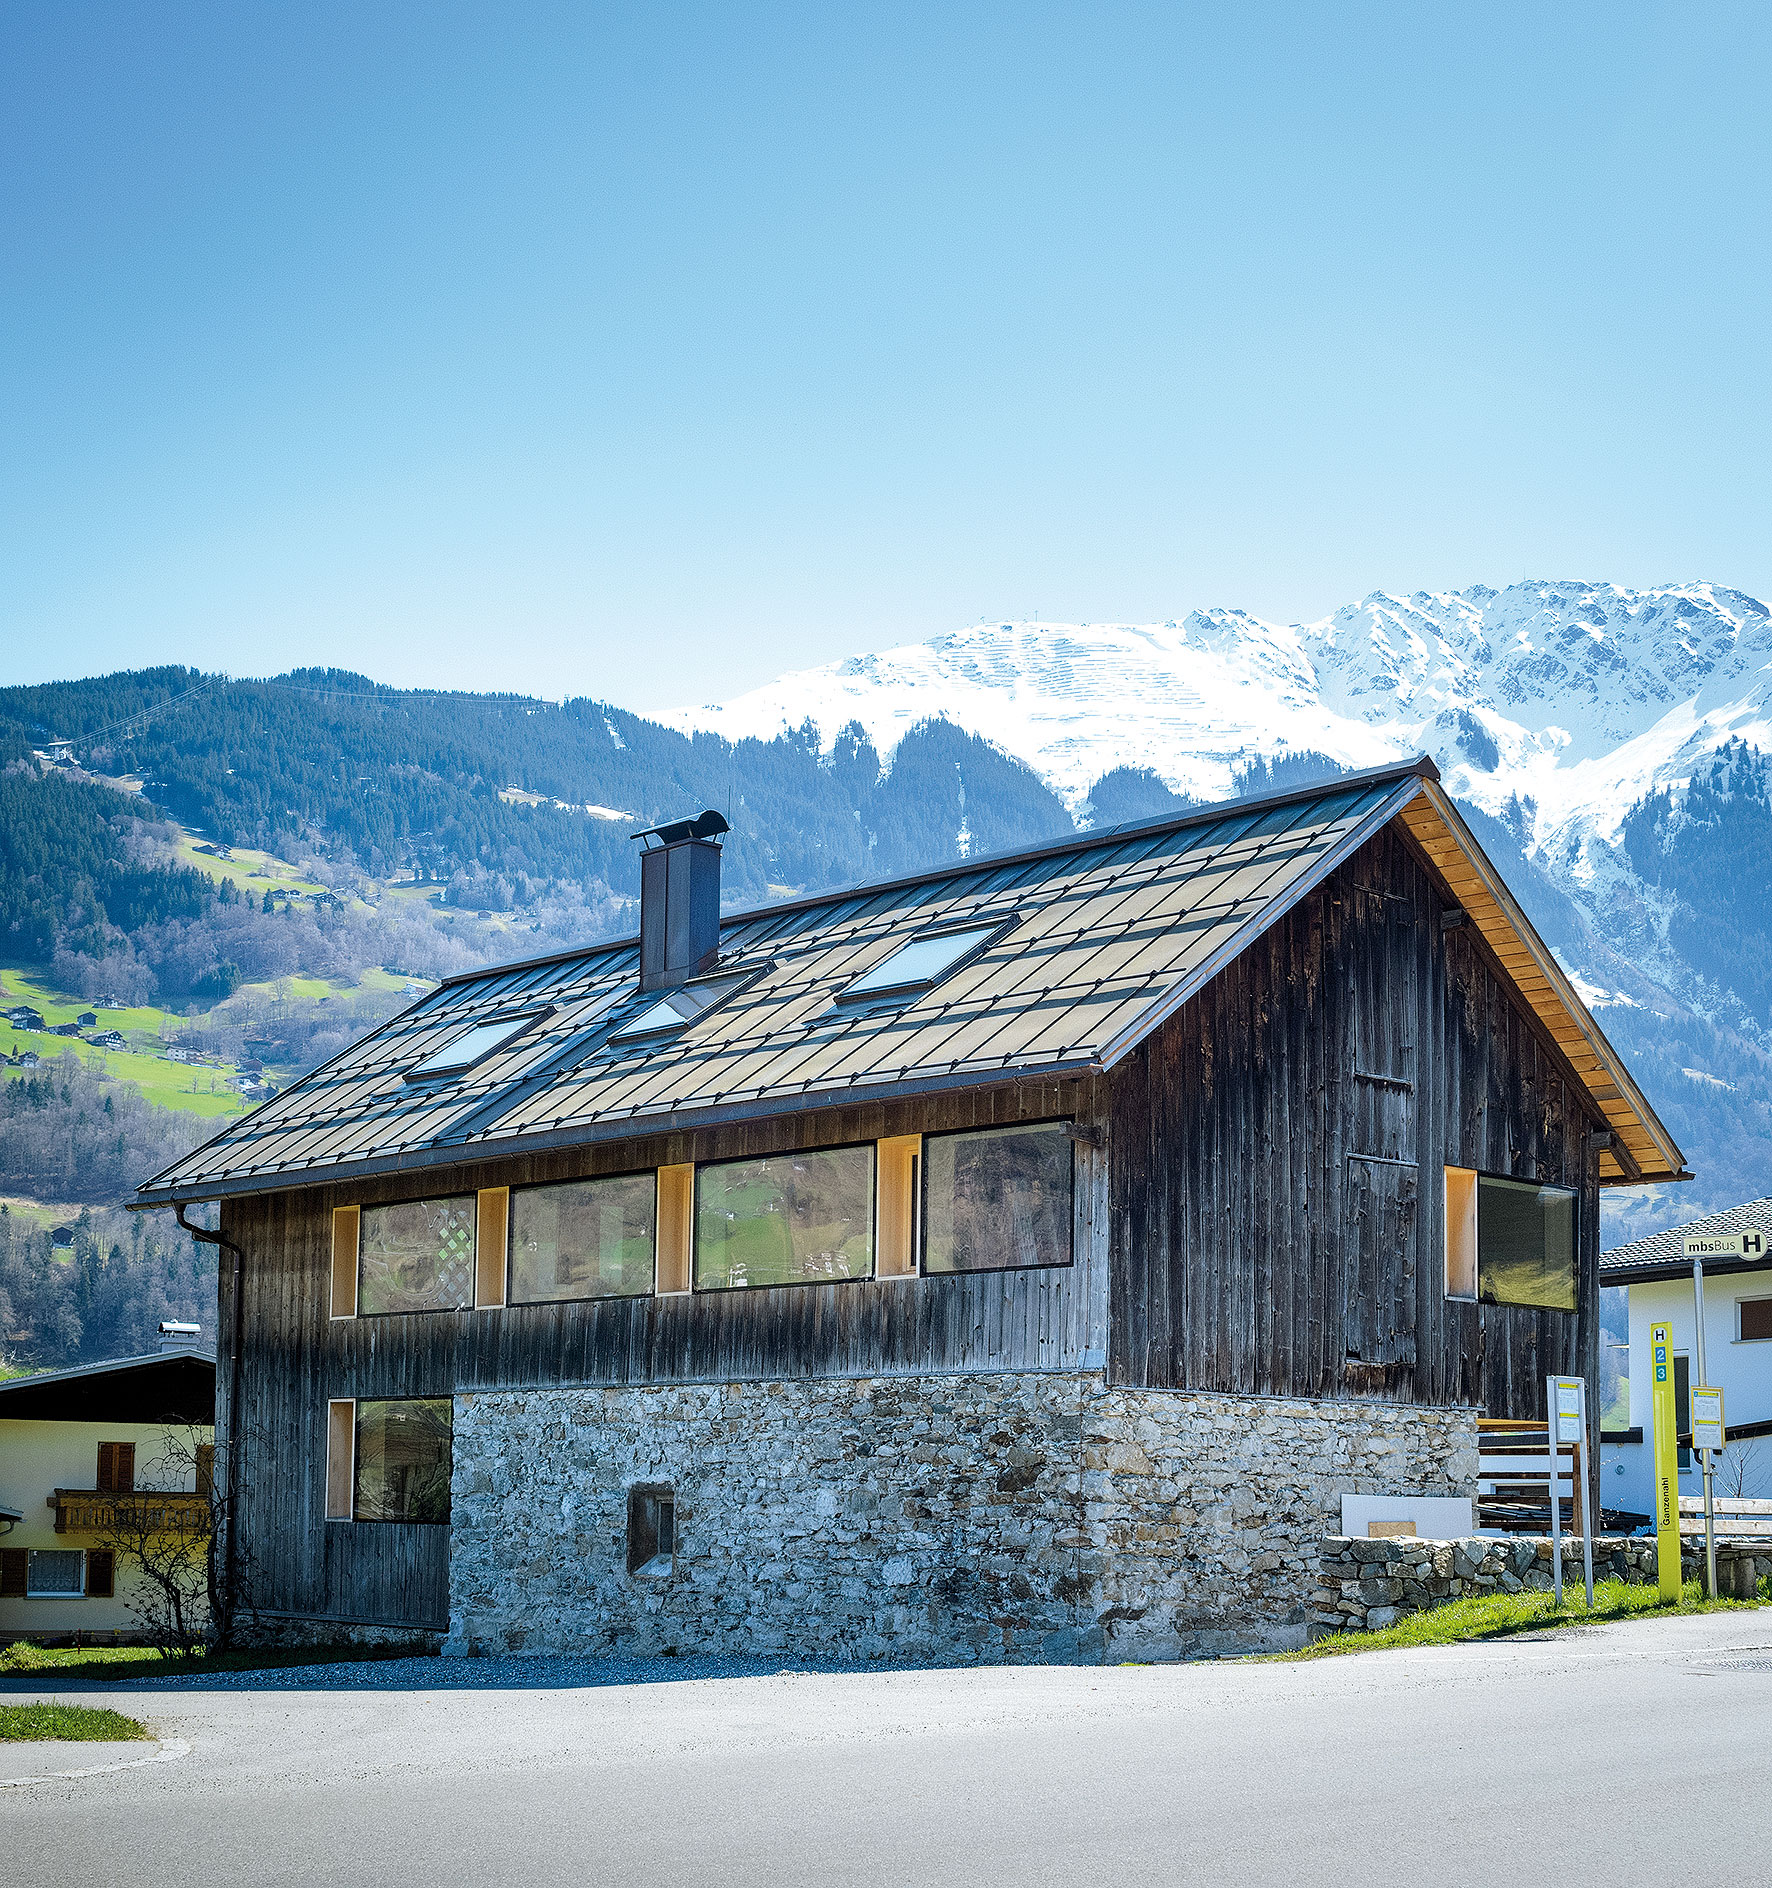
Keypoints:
(1277, 1156)
(296, 1357)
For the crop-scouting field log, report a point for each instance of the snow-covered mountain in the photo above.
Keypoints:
(1574, 699)
(1556, 708)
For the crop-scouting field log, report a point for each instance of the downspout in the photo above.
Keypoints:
(237, 1314)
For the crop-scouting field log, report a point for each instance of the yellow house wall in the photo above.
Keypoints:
(36, 1458)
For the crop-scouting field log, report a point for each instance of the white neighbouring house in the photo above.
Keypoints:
(1738, 1355)
(71, 1442)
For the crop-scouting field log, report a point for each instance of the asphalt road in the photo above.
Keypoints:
(1630, 1751)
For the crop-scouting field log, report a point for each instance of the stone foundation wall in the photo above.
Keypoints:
(984, 1517)
(1368, 1585)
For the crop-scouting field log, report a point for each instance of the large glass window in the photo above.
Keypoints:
(583, 1239)
(997, 1198)
(403, 1459)
(417, 1256)
(1524, 1236)
(790, 1219)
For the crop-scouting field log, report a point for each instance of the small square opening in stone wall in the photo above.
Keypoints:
(652, 1531)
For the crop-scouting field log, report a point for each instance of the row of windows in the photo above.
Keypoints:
(982, 1200)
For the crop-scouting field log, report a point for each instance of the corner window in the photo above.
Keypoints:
(403, 1458)
(1511, 1242)
(790, 1219)
(920, 962)
(416, 1256)
(1753, 1320)
(997, 1198)
(55, 1574)
(652, 1532)
(583, 1239)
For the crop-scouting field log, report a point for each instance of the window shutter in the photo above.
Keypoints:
(206, 1468)
(116, 1468)
(345, 1223)
(341, 1459)
(14, 1564)
(896, 1206)
(676, 1229)
(492, 1219)
(101, 1573)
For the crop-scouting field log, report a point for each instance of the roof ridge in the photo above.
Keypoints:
(1421, 767)
(1647, 1249)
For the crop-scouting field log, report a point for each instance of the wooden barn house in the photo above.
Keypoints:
(1016, 1260)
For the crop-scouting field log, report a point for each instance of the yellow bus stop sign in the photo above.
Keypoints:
(1667, 1465)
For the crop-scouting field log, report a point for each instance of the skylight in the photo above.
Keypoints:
(678, 1008)
(920, 961)
(471, 1046)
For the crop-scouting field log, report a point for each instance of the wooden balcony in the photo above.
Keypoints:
(88, 1511)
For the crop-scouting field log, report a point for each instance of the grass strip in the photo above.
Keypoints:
(110, 1662)
(1500, 1615)
(66, 1723)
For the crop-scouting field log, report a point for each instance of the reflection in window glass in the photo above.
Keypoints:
(997, 1198)
(417, 1256)
(583, 1239)
(403, 1460)
(920, 961)
(1525, 1244)
(788, 1220)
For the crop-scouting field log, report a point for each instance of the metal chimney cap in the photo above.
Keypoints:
(708, 825)
(171, 1327)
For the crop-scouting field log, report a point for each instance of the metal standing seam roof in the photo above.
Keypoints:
(1104, 935)
(1662, 1254)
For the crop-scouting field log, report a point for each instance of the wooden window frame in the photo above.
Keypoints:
(673, 1263)
(492, 1247)
(347, 1245)
(341, 1459)
(1461, 1234)
(898, 1206)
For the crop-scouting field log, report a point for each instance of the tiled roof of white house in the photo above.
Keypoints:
(1662, 1254)
(1093, 941)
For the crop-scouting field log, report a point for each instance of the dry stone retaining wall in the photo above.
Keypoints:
(986, 1517)
(1368, 1585)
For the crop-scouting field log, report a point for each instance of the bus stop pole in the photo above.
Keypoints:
(1587, 1513)
(1555, 1465)
(1705, 1460)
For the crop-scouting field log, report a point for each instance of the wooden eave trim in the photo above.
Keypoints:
(1439, 835)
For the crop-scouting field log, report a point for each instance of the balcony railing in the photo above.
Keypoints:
(88, 1511)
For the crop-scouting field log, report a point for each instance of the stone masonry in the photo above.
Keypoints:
(1368, 1585)
(982, 1517)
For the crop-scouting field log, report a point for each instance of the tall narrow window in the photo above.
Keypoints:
(790, 1219)
(896, 1235)
(583, 1239)
(404, 1450)
(417, 1256)
(997, 1198)
(341, 1459)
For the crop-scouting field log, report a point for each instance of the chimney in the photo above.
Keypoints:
(177, 1336)
(679, 901)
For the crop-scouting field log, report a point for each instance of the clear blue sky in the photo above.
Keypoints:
(648, 351)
